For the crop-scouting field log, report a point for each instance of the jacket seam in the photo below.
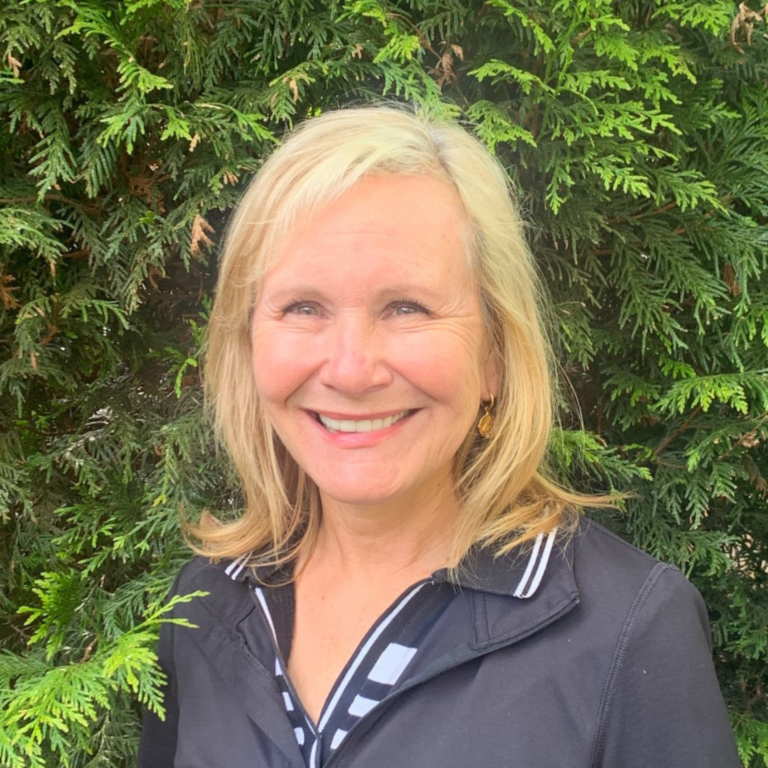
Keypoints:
(617, 663)
(228, 623)
(480, 619)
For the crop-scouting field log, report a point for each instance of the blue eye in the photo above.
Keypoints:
(306, 308)
(408, 307)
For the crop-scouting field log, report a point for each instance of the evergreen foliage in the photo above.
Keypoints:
(637, 135)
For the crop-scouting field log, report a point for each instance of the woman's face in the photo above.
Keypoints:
(369, 350)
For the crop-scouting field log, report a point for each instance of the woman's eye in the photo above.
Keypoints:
(408, 308)
(307, 308)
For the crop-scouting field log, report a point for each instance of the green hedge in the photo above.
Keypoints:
(637, 135)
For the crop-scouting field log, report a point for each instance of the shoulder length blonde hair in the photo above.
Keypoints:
(505, 497)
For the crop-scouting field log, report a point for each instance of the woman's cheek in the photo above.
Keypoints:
(434, 357)
(282, 362)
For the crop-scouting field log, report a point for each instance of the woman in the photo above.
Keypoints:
(405, 587)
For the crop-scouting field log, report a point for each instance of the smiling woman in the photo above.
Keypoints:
(348, 162)
(337, 350)
(405, 585)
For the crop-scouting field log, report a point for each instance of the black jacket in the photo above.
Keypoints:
(608, 665)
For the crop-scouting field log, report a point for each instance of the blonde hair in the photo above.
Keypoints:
(504, 495)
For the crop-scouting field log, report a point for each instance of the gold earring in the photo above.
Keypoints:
(485, 425)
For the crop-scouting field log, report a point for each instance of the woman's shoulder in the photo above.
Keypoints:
(660, 702)
(216, 591)
(613, 575)
(599, 552)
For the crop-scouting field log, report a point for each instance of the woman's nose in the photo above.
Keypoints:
(354, 357)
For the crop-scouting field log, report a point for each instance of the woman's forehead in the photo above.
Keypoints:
(390, 224)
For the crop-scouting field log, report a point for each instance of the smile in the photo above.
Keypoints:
(360, 425)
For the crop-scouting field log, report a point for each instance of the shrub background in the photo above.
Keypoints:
(637, 135)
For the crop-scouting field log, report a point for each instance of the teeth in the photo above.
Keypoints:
(364, 425)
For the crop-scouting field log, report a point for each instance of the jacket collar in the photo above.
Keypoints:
(542, 565)
(509, 597)
(515, 595)
(519, 573)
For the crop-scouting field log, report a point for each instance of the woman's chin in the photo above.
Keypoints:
(358, 495)
(343, 492)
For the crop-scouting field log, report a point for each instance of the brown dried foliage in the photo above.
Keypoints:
(200, 230)
(744, 23)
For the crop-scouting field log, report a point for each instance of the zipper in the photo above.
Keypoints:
(419, 680)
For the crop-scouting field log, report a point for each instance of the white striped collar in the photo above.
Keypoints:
(519, 574)
(531, 581)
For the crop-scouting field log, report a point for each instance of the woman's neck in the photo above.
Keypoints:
(396, 539)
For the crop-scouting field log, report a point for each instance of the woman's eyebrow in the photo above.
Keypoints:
(406, 288)
(291, 292)
(387, 290)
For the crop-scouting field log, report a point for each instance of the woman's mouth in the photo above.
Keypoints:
(360, 425)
